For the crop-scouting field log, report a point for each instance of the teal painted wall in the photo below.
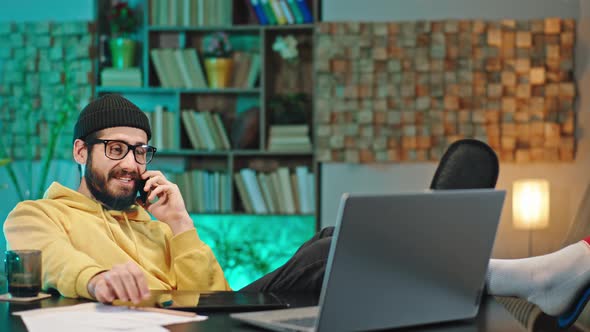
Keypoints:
(41, 10)
(35, 11)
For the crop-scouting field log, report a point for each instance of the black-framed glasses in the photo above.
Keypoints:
(117, 150)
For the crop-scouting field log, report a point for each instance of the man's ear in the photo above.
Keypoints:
(80, 152)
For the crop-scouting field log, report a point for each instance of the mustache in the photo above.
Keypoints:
(119, 172)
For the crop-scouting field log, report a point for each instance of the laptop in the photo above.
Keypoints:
(400, 260)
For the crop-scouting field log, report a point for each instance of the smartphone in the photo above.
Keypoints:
(142, 193)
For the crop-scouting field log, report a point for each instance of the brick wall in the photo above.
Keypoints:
(46, 76)
(404, 91)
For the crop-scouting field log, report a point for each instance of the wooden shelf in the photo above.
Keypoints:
(234, 28)
(190, 152)
(230, 103)
(103, 89)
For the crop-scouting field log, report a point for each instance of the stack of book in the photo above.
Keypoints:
(205, 130)
(273, 12)
(164, 129)
(279, 192)
(191, 13)
(291, 138)
(204, 191)
(127, 77)
(178, 68)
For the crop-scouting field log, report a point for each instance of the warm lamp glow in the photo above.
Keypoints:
(530, 204)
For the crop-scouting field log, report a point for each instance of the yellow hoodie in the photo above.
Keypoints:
(79, 238)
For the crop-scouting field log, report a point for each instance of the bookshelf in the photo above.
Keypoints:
(245, 111)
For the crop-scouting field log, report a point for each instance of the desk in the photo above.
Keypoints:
(492, 317)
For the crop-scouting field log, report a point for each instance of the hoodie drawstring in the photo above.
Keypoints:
(112, 235)
(106, 224)
(134, 239)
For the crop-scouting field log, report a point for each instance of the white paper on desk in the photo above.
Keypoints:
(98, 317)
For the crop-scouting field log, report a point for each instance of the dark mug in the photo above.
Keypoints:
(23, 272)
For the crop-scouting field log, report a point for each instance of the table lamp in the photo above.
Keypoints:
(530, 205)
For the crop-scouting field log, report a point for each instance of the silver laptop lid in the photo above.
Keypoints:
(408, 259)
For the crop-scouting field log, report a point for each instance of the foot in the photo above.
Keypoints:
(553, 282)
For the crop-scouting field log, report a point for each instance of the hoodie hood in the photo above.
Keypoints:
(79, 201)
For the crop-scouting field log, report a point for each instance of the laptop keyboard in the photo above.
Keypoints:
(303, 321)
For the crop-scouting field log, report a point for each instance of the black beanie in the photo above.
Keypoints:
(110, 111)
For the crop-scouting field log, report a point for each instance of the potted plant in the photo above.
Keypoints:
(289, 70)
(291, 108)
(217, 51)
(123, 23)
(291, 105)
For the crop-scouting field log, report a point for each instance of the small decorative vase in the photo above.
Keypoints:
(219, 72)
(122, 52)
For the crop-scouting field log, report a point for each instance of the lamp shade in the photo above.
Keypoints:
(530, 204)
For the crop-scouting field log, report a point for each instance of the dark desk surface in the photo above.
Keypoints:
(492, 317)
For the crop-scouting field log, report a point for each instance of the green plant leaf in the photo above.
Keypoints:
(5, 161)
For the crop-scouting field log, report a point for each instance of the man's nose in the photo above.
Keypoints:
(129, 161)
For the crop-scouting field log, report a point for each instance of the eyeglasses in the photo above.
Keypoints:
(117, 150)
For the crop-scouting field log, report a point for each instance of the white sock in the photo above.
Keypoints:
(551, 281)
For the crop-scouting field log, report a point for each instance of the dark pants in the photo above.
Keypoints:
(304, 272)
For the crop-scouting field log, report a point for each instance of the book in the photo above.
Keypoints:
(225, 193)
(185, 13)
(201, 12)
(158, 128)
(240, 69)
(204, 131)
(242, 193)
(286, 11)
(305, 12)
(267, 193)
(198, 190)
(286, 190)
(183, 66)
(275, 187)
(303, 192)
(253, 190)
(173, 14)
(170, 130)
(172, 68)
(221, 130)
(186, 191)
(254, 70)
(190, 130)
(199, 133)
(207, 193)
(296, 12)
(289, 138)
(268, 12)
(129, 77)
(276, 9)
(289, 130)
(163, 13)
(195, 69)
(217, 140)
(154, 10)
(161, 72)
(295, 189)
(262, 20)
(311, 191)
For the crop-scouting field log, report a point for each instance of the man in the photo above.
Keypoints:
(100, 243)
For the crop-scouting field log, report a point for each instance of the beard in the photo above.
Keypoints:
(98, 186)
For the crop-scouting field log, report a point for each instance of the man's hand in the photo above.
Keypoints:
(124, 282)
(170, 206)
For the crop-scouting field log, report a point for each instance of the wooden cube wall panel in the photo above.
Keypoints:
(405, 91)
(43, 64)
